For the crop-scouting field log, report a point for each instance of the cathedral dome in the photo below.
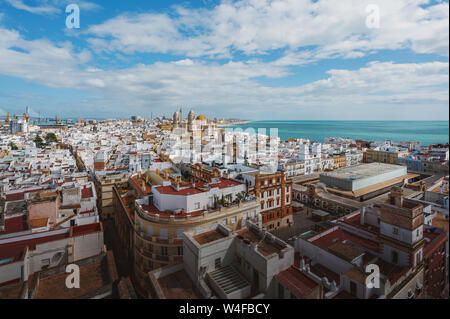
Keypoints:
(201, 117)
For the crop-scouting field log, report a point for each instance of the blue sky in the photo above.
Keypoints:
(253, 59)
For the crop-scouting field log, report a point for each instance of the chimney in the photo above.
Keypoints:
(363, 215)
(302, 264)
(396, 196)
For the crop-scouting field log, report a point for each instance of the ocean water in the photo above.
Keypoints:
(426, 132)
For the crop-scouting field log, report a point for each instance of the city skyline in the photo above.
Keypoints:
(256, 60)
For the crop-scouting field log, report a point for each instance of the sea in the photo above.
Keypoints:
(425, 132)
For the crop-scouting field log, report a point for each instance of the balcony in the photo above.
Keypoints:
(159, 240)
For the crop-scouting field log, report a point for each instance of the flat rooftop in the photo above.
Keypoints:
(363, 171)
(265, 246)
(177, 285)
(12, 291)
(363, 176)
(372, 188)
(345, 250)
(54, 287)
(209, 236)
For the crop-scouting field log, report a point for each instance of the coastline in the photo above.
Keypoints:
(235, 123)
(425, 132)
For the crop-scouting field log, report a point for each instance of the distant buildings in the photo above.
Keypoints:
(18, 126)
(388, 155)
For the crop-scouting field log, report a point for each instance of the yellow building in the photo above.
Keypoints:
(382, 156)
(339, 161)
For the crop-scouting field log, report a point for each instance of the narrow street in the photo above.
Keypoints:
(111, 239)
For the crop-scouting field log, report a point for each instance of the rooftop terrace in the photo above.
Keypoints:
(265, 246)
(209, 236)
(177, 285)
(363, 171)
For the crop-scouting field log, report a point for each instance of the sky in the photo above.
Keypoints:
(248, 59)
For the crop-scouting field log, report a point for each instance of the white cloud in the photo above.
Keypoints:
(334, 28)
(20, 5)
(52, 6)
(379, 90)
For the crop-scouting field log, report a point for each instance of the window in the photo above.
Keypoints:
(180, 251)
(233, 220)
(394, 257)
(395, 230)
(163, 250)
(163, 233)
(197, 205)
(418, 257)
(217, 263)
(224, 222)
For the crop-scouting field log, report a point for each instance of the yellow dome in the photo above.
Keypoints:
(201, 117)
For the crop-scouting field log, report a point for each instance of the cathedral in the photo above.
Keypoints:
(199, 125)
